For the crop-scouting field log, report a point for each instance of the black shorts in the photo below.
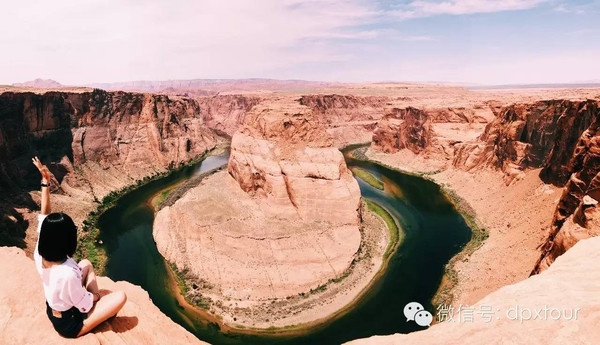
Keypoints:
(69, 324)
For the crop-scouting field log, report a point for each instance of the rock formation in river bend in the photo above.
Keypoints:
(283, 220)
(287, 159)
(94, 142)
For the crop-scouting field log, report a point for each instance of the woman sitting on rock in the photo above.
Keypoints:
(74, 303)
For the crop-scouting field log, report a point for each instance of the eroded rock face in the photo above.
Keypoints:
(538, 135)
(226, 113)
(348, 118)
(23, 314)
(558, 136)
(288, 161)
(408, 128)
(282, 220)
(94, 143)
(577, 213)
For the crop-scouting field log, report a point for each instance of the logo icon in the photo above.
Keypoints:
(414, 311)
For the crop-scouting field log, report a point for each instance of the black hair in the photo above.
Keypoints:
(58, 237)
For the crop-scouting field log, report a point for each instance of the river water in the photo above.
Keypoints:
(433, 232)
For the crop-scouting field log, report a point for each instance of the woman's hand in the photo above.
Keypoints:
(47, 176)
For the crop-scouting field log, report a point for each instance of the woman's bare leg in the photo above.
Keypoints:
(88, 277)
(108, 306)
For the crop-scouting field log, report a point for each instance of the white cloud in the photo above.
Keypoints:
(75, 41)
(421, 8)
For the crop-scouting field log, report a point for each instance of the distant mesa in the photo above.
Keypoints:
(40, 83)
(212, 86)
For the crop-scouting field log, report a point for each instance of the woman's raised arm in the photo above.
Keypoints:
(46, 179)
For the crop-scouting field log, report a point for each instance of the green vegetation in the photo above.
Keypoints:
(189, 290)
(367, 177)
(478, 233)
(88, 245)
(393, 229)
(158, 200)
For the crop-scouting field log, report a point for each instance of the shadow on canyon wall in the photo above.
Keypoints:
(30, 125)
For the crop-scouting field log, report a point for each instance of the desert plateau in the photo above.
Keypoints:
(300, 172)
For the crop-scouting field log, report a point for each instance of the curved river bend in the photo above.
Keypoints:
(433, 232)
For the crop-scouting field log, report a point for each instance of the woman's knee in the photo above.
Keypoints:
(120, 298)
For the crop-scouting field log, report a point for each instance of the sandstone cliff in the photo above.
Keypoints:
(408, 128)
(577, 214)
(287, 159)
(560, 137)
(347, 118)
(94, 143)
(227, 112)
(518, 161)
(572, 282)
(23, 317)
(538, 135)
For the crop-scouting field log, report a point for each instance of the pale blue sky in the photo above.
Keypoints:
(461, 41)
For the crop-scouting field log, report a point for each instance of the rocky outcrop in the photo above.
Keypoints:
(577, 214)
(225, 113)
(23, 317)
(408, 128)
(94, 143)
(347, 118)
(538, 135)
(287, 160)
(570, 284)
(431, 136)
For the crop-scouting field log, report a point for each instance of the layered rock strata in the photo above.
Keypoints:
(94, 142)
(347, 118)
(577, 214)
(408, 128)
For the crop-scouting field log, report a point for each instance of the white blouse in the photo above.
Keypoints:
(63, 284)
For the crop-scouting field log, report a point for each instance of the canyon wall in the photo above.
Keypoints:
(538, 135)
(94, 142)
(577, 214)
(349, 119)
(225, 113)
(559, 137)
(408, 128)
